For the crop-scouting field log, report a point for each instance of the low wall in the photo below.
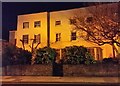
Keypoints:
(68, 70)
(92, 70)
(42, 70)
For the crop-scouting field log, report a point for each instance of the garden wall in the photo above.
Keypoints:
(42, 70)
(68, 70)
(92, 70)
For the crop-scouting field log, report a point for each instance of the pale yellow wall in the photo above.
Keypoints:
(31, 31)
(65, 28)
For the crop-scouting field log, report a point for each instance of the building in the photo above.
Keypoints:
(35, 27)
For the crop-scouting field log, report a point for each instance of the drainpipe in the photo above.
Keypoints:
(48, 29)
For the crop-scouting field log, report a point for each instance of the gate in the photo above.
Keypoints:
(57, 65)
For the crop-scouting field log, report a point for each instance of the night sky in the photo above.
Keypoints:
(10, 10)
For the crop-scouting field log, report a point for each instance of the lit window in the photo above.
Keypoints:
(72, 21)
(73, 36)
(37, 24)
(25, 24)
(58, 37)
(25, 39)
(57, 22)
(91, 51)
(37, 38)
(99, 53)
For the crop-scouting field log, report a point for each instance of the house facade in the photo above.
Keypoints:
(34, 27)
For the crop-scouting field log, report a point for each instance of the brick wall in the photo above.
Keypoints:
(68, 70)
(91, 70)
(42, 70)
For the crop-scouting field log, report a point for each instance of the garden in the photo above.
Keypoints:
(76, 61)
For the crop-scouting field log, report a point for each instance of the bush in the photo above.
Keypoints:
(23, 56)
(45, 55)
(110, 60)
(11, 55)
(77, 55)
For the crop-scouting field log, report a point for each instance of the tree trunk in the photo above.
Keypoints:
(113, 49)
(33, 58)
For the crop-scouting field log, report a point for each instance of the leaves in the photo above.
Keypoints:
(45, 55)
(77, 55)
(14, 56)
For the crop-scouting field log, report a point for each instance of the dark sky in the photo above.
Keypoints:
(10, 10)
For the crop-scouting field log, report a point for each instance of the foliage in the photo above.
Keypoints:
(45, 55)
(23, 56)
(110, 60)
(12, 55)
(77, 55)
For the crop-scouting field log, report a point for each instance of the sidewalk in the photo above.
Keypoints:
(49, 79)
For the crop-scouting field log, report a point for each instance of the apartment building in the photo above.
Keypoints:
(61, 33)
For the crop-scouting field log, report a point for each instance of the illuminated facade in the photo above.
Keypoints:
(34, 26)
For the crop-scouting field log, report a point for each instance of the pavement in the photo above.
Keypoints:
(50, 79)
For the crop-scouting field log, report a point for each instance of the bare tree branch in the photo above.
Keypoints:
(102, 26)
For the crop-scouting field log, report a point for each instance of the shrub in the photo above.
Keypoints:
(23, 56)
(77, 55)
(110, 60)
(11, 55)
(45, 55)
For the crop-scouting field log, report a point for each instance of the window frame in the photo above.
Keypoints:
(57, 22)
(72, 21)
(25, 39)
(25, 25)
(37, 24)
(58, 37)
(37, 38)
(73, 37)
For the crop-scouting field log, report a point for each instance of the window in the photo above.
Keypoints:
(37, 24)
(91, 51)
(25, 24)
(89, 19)
(72, 21)
(58, 37)
(87, 36)
(25, 39)
(37, 38)
(99, 53)
(57, 22)
(73, 36)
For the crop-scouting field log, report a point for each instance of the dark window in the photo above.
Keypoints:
(25, 39)
(37, 38)
(37, 24)
(73, 35)
(72, 21)
(25, 24)
(57, 22)
(89, 19)
(58, 37)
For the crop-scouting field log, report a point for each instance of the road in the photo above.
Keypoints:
(59, 81)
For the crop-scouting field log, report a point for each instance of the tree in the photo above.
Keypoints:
(33, 49)
(100, 25)
(14, 56)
